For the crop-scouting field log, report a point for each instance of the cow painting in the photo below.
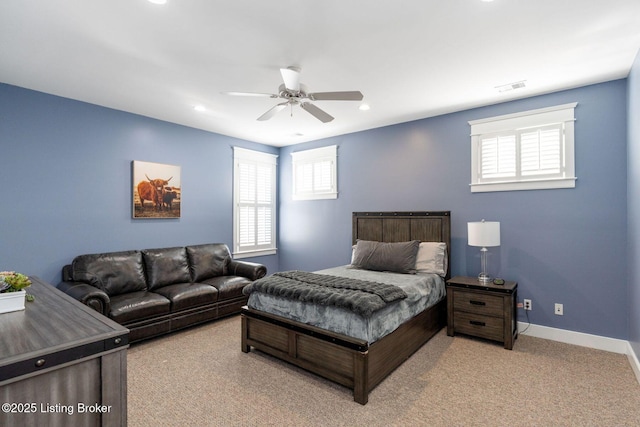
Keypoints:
(153, 190)
(168, 197)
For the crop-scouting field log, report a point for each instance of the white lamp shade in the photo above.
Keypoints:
(484, 233)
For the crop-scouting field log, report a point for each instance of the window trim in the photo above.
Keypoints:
(564, 114)
(315, 156)
(243, 155)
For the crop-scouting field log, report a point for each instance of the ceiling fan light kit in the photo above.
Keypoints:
(296, 93)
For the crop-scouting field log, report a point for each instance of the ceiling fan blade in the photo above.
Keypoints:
(336, 96)
(273, 111)
(291, 78)
(316, 112)
(267, 95)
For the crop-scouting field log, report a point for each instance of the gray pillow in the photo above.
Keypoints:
(397, 257)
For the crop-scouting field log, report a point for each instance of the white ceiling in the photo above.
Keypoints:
(411, 59)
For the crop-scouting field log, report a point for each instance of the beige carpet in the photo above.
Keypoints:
(199, 377)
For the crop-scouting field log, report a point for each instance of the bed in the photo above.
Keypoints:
(358, 362)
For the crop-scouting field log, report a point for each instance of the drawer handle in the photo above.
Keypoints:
(477, 302)
(477, 323)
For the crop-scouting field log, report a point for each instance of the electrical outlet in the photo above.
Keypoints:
(559, 309)
(527, 304)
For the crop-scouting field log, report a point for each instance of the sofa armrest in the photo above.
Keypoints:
(250, 270)
(67, 276)
(88, 295)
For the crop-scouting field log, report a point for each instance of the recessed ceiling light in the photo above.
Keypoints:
(198, 108)
(157, 1)
(364, 107)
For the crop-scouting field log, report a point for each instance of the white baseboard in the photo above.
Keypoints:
(633, 361)
(584, 340)
(576, 338)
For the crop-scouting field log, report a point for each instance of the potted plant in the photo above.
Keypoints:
(12, 291)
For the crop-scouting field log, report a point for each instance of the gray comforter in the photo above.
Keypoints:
(360, 296)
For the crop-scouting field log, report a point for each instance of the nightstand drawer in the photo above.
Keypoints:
(474, 302)
(480, 326)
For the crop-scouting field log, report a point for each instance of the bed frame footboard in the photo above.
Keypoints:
(347, 361)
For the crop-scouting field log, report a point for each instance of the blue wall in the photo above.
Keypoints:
(65, 170)
(633, 200)
(562, 246)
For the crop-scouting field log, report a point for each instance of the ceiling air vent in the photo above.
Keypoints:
(511, 86)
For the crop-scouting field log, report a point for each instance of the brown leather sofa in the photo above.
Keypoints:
(155, 291)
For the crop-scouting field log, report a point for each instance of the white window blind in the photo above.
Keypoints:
(315, 174)
(541, 151)
(254, 215)
(524, 151)
(498, 156)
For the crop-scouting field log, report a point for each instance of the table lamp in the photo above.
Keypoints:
(484, 234)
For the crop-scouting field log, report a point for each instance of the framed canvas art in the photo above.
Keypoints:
(156, 191)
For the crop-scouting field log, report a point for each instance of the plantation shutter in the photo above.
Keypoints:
(315, 174)
(541, 151)
(527, 153)
(254, 202)
(529, 150)
(498, 156)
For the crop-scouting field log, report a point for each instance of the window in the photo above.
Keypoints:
(524, 151)
(254, 207)
(314, 174)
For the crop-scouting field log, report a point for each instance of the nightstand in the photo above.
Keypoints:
(483, 310)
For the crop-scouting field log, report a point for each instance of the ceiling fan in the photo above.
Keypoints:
(295, 93)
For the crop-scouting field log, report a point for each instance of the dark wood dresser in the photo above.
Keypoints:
(61, 364)
(483, 310)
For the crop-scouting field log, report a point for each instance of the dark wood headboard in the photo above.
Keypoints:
(404, 226)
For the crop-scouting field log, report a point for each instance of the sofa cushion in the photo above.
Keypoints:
(228, 286)
(115, 273)
(140, 305)
(166, 266)
(209, 260)
(187, 295)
